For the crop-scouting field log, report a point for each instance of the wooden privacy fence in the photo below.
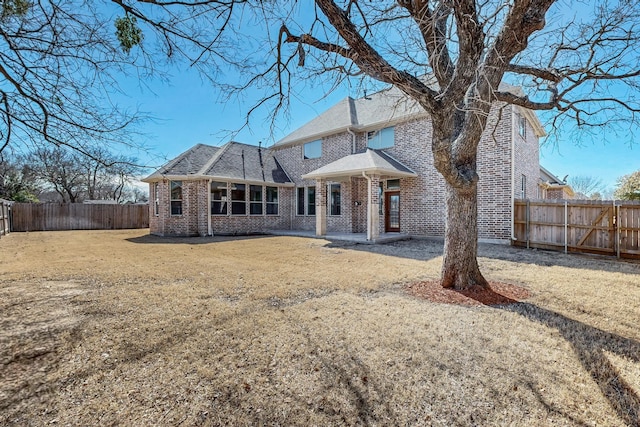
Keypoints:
(77, 216)
(5, 217)
(592, 226)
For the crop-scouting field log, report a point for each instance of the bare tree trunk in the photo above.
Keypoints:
(460, 266)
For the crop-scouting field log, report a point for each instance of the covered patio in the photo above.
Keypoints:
(372, 165)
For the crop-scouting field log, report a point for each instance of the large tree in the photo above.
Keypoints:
(628, 187)
(449, 56)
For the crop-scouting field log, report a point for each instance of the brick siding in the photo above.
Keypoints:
(422, 198)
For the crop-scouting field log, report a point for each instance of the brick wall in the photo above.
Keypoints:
(333, 148)
(422, 198)
(195, 211)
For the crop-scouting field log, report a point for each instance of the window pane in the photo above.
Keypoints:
(218, 208)
(238, 196)
(218, 190)
(176, 190)
(255, 208)
(384, 138)
(272, 200)
(311, 200)
(300, 210)
(313, 149)
(176, 207)
(335, 199)
(156, 196)
(393, 184)
(380, 197)
(255, 193)
(238, 208)
(238, 192)
(272, 209)
(272, 194)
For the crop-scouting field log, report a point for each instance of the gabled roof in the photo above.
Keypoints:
(370, 162)
(232, 161)
(549, 180)
(375, 111)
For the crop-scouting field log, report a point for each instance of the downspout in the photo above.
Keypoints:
(353, 140)
(369, 205)
(513, 174)
(209, 229)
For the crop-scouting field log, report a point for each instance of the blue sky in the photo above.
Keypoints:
(188, 111)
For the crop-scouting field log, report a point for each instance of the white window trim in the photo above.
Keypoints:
(304, 157)
(181, 200)
(227, 200)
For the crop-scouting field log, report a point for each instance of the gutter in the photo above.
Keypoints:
(353, 140)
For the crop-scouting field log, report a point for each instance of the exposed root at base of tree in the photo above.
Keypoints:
(496, 294)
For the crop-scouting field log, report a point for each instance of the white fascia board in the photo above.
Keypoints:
(197, 177)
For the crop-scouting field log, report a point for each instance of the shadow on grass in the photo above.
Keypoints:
(194, 240)
(429, 248)
(589, 345)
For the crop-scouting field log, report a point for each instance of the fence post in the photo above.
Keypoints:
(566, 227)
(616, 228)
(527, 218)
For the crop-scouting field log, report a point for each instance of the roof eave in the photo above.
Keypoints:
(158, 177)
(358, 172)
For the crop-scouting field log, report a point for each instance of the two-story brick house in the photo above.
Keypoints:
(363, 166)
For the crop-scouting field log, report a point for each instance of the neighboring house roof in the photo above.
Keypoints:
(370, 161)
(378, 110)
(232, 161)
(549, 180)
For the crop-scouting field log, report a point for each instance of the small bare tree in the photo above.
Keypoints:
(587, 186)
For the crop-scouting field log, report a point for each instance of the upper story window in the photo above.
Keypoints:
(313, 149)
(176, 197)
(383, 138)
(218, 198)
(522, 126)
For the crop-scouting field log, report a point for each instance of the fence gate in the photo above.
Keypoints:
(601, 227)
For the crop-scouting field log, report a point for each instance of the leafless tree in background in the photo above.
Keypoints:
(581, 66)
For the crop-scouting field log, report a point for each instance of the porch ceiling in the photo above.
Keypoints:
(370, 162)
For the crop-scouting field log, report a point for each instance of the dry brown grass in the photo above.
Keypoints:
(121, 328)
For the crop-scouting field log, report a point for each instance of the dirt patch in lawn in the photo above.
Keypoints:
(496, 294)
(123, 328)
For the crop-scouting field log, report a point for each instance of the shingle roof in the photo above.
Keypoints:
(189, 162)
(372, 161)
(375, 111)
(233, 161)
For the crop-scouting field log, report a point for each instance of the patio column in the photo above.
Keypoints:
(321, 207)
(373, 208)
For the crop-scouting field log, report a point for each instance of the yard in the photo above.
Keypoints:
(122, 328)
